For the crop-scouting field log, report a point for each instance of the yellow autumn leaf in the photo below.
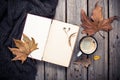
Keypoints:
(96, 58)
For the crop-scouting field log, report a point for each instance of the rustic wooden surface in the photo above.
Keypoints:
(108, 67)
(114, 42)
(99, 69)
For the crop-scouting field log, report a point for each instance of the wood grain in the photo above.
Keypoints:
(76, 72)
(40, 70)
(114, 41)
(54, 72)
(107, 68)
(98, 70)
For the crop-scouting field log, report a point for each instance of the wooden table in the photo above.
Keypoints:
(107, 68)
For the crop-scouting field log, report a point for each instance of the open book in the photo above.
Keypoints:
(56, 39)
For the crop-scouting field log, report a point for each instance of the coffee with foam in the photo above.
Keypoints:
(88, 45)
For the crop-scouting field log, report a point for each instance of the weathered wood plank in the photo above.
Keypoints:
(76, 72)
(40, 70)
(98, 70)
(114, 41)
(60, 10)
(54, 72)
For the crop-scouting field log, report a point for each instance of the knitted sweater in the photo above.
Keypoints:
(12, 19)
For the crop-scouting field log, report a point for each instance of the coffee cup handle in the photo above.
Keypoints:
(79, 54)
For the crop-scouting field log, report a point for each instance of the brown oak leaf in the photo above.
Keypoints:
(96, 22)
(23, 48)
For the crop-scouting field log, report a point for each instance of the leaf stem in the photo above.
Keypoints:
(32, 58)
(101, 35)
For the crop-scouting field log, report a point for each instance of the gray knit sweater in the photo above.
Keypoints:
(12, 18)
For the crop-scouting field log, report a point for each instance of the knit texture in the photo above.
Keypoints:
(12, 19)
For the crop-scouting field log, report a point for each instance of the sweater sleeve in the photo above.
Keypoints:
(3, 8)
(13, 21)
(45, 8)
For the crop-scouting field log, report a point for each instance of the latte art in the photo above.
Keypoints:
(88, 45)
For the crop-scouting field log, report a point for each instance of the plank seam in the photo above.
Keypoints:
(66, 21)
(108, 44)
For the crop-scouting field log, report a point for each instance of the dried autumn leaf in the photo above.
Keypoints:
(96, 22)
(97, 13)
(85, 62)
(24, 48)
